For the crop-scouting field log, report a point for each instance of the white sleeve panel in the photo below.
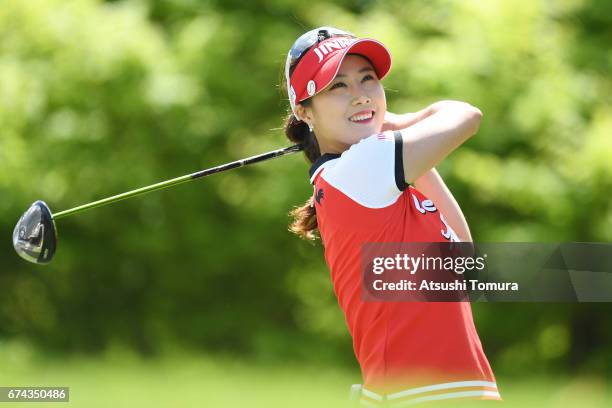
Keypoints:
(371, 171)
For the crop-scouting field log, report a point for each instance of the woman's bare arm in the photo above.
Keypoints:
(433, 133)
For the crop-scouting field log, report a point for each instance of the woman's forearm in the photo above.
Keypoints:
(432, 185)
(444, 126)
(429, 182)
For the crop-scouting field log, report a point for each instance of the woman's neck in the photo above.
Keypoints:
(332, 147)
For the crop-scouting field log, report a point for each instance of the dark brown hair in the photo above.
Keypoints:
(304, 217)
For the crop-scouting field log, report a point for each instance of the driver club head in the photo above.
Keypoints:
(35, 236)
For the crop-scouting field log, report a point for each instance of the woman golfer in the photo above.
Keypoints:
(374, 181)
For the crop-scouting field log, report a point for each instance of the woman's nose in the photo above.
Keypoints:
(361, 99)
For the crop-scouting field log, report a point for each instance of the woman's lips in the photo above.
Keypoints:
(363, 117)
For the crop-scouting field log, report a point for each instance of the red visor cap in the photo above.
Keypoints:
(321, 63)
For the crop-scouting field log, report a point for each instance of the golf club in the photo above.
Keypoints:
(35, 235)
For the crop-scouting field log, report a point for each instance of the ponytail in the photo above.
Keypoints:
(304, 217)
(304, 222)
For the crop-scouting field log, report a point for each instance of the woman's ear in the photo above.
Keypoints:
(303, 113)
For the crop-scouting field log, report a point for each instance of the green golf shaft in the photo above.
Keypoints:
(179, 180)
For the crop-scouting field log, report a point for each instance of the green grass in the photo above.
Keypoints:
(121, 379)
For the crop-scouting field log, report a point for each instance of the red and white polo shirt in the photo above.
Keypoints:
(408, 351)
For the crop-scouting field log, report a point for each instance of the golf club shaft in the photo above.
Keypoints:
(179, 180)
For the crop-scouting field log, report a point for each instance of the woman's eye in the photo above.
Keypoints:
(367, 77)
(337, 85)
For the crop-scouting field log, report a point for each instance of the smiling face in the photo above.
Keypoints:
(351, 108)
